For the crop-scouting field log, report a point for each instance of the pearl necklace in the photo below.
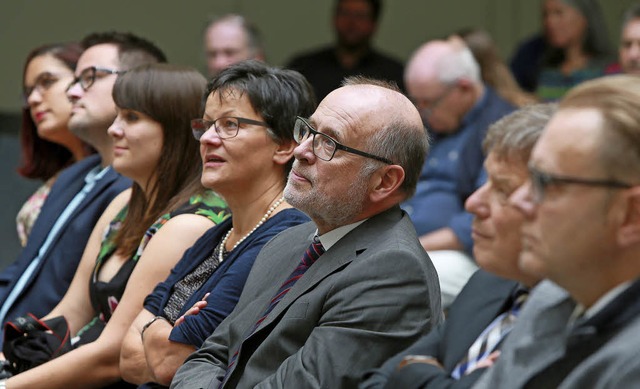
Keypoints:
(261, 222)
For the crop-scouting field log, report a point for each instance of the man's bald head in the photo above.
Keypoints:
(444, 61)
(396, 131)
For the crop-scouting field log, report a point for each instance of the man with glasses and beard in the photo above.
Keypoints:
(364, 288)
(40, 276)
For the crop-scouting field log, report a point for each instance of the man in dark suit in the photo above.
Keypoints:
(40, 276)
(581, 229)
(372, 290)
(441, 359)
(354, 22)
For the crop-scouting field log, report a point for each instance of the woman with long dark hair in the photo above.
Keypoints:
(47, 145)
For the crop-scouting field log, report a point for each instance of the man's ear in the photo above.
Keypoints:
(386, 182)
(629, 230)
(284, 152)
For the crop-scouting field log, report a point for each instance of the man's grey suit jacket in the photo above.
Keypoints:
(482, 299)
(365, 299)
(544, 351)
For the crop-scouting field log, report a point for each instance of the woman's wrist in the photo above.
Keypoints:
(144, 327)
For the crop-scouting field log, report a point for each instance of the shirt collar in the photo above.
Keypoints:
(332, 237)
(583, 314)
(96, 174)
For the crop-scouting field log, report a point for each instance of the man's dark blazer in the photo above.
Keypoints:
(546, 350)
(57, 267)
(366, 298)
(483, 298)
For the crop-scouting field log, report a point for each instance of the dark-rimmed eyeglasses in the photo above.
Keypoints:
(324, 146)
(541, 180)
(88, 76)
(226, 127)
(426, 108)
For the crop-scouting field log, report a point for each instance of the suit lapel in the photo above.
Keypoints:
(547, 334)
(100, 186)
(68, 184)
(330, 262)
(333, 260)
(486, 298)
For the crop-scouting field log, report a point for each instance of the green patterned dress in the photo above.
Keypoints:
(106, 295)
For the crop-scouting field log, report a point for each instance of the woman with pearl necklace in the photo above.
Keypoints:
(246, 145)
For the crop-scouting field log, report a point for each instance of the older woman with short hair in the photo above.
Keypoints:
(246, 145)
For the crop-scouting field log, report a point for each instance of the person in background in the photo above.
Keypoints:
(526, 61)
(250, 107)
(493, 70)
(581, 231)
(142, 234)
(451, 355)
(629, 50)
(354, 23)
(41, 275)
(230, 39)
(578, 46)
(443, 80)
(573, 47)
(47, 144)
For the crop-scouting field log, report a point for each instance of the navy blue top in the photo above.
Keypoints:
(226, 282)
(51, 279)
(526, 62)
(453, 170)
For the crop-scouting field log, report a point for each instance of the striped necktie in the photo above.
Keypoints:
(313, 252)
(491, 337)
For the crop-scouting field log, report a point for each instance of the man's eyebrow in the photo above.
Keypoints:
(325, 130)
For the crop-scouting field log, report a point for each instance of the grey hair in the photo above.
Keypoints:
(399, 141)
(514, 135)
(405, 145)
(459, 64)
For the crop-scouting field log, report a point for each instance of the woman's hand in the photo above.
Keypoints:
(193, 310)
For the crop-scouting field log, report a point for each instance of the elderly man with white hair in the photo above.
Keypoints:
(443, 80)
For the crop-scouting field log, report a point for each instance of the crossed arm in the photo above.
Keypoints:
(99, 360)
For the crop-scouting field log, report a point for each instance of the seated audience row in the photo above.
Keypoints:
(41, 274)
(140, 237)
(284, 332)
